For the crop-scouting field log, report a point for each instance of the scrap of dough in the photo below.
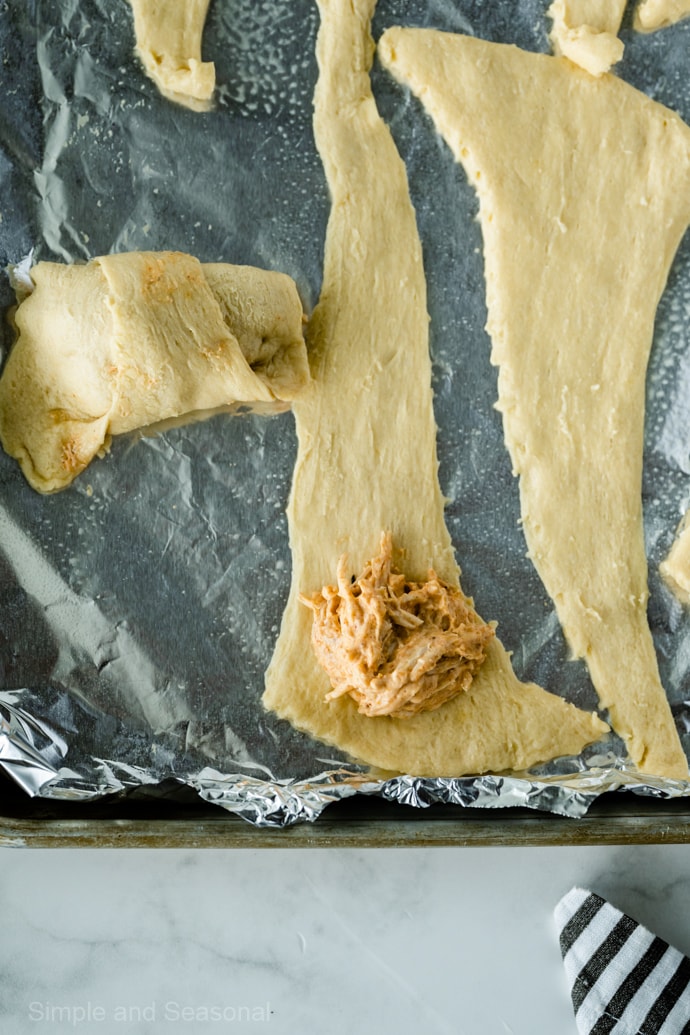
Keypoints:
(367, 450)
(676, 568)
(658, 14)
(168, 35)
(584, 191)
(133, 339)
(586, 32)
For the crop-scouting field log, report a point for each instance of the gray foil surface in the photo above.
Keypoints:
(140, 607)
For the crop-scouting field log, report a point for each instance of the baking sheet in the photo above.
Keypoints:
(140, 607)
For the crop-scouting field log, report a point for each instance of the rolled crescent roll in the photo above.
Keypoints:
(131, 340)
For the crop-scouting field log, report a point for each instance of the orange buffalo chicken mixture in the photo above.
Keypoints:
(397, 647)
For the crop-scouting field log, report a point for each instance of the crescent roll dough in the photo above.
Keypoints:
(367, 451)
(168, 34)
(584, 190)
(585, 31)
(675, 569)
(133, 339)
(659, 14)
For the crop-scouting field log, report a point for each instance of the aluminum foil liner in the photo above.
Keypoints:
(140, 607)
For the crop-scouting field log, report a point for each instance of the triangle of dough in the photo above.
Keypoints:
(367, 450)
(584, 189)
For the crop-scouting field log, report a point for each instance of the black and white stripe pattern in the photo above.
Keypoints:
(623, 979)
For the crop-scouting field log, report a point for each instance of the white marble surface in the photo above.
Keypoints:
(445, 940)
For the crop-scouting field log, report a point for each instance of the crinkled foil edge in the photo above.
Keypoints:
(33, 755)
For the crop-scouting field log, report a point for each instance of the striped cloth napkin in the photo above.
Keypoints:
(623, 979)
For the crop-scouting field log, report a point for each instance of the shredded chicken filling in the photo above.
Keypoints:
(397, 647)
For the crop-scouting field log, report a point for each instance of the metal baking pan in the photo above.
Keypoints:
(92, 160)
(615, 819)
